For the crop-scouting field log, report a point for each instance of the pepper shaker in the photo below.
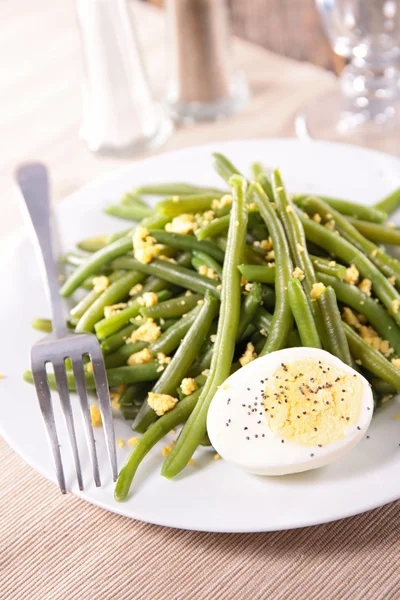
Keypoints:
(119, 112)
(203, 82)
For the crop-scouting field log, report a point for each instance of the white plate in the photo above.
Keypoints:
(211, 495)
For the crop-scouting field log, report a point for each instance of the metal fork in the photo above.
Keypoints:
(61, 344)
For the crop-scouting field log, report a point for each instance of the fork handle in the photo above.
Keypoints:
(33, 181)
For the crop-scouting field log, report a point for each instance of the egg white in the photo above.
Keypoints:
(268, 455)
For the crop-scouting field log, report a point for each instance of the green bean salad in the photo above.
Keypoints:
(212, 278)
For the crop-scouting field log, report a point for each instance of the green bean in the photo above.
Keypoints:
(92, 244)
(224, 347)
(387, 264)
(115, 322)
(135, 374)
(172, 207)
(377, 233)
(130, 212)
(112, 343)
(390, 204)
(177, 189)
(381, 387)
(282, 319)
(120, 356)
(201, 259)
(202, 362)
(129, 412)
(181, 361)
(371, 358)
(175, 307)
(295, 235)
(112, 237)
(329, 267)
(340, 247)
(215, 227)
(171, 338)
(261, 177)
(176, 274)
(115, 377)
(351, 295)
(44, 325)
(268, 297)
(351, 209)
(248, 309)
(187, 242)
(303, 315)
(97, 260)
(261, 274)
(134, 394)
(155, 221)
(338, 345)
(263, 320)
(79, 310)
(133, 199)
(266, 274)
(73, 259)
(179, 414)
(116, 292)
(224, 167)
(153, 284)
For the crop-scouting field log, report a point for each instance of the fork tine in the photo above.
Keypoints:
(62, 386)
(80, 383)
(100, 378)
(44, 397)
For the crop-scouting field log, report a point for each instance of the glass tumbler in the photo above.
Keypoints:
(364, 109)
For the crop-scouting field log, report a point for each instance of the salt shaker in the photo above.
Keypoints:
(119, 112)
(203, 83)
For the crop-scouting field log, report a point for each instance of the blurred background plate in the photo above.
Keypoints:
(211, 495)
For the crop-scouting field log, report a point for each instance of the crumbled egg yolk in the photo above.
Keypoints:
(352, 275)
(298, 273)
(95, 416)
(166, 450)
(316, 290)
(182, 224)
(100, 283)
(222, 203)
(317, 218)
(188, 386)
(365, 286)
(270, 255)
(133, 441)
(311, 402)
(248, 355)
(395, 306)
(392, 279)
(161, 403)
(140, 358)
(163, 359)
(136, 289)
(109, 311)
(208, 272)
(148, 332)
(367, 333)
(396, 362)
(145, 247)
(120, 443)
(148, 299)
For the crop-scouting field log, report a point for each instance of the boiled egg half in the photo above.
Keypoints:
(289, 411)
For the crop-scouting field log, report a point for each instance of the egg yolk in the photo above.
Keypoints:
(310, 402)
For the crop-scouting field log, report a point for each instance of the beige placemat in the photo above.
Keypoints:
(60, 548)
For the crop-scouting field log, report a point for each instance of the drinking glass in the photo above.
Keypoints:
(364, 108)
